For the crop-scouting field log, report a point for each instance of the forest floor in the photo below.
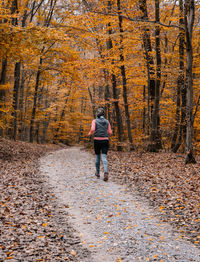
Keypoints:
(56, 210)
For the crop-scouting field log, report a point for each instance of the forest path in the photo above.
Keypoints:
(114, 224)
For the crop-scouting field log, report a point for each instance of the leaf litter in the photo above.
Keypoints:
(32, 227)
(171, 187)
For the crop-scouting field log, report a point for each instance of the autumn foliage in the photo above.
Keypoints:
(62, 59)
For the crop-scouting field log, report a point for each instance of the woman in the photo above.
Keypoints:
(102, 130)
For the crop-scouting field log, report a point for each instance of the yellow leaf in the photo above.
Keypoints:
(106, 233)
(128, 227)
(44, 224)
(91, 245)
(161, 208)
(41, 237)
(155, 256)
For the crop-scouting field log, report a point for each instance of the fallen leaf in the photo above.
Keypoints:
(73, 253)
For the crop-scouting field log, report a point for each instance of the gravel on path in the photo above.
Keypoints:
(114, 224)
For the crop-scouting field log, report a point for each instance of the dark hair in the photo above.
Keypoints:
(100, 112)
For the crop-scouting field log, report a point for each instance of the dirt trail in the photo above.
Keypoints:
(112, 223)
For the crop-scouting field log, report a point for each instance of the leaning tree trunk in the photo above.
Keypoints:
(124, 79)
(189, 15)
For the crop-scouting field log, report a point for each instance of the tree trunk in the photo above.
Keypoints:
(46, 23)
(153, 84)
(81, 126)
(115, 90)
(2, 91)
(180, 127)
(16, 97)
(189, 14)
(175, 135)
(3, 78)
(124, 79)
(62, 115)
(117, 111)
(149, 59)
(44, 131)
(35, 102)
(92, 102)
(21, 105)
(37, 132)
(14, 10)
(107, 89)
(155, 132)
(182, 132)
(144, 110)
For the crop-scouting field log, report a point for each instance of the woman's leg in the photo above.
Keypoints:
(105, 162)
(105, 148)
(97, 150)
(97, 164)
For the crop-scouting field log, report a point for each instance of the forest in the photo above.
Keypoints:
(61, 59)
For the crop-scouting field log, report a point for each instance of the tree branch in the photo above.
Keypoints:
(138, 20)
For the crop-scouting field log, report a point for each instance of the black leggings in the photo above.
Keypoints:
(101, 146)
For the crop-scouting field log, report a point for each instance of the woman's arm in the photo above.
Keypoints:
(109, 129)
(92, 130)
